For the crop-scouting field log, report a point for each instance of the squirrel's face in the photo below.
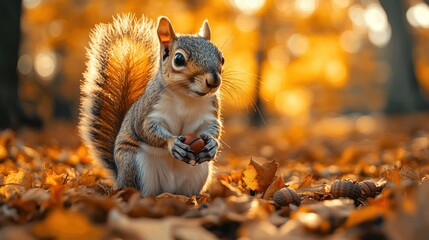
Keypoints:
(193, 67)
(190, 64)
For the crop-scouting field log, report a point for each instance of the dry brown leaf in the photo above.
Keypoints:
(258, 230)
(324, 217)
(411, 223)
(408, 173)
(15, 232)
(237, 176)
(366, 214)
(3, 152)
(50, 177)
(166, 205)
(87, 178)
(66, 225)
(36, 194)
(16, 182)
(167, 195)
(167, 228)
(221, 188)
(306, 181)
(257, 177)
(276, 185)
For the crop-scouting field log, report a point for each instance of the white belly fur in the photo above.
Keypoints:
(180, 116)
(168, 174)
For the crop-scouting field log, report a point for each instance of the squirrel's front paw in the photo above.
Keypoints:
(210, 149)
(182, 151)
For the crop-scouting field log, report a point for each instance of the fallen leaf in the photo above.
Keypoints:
(50, 177)
(16, 182)
(257, 177)
(276, 185)
(66, 225)
(306, 181)
(166, 228)
(167, 195)
(15, 232)
(363, 215)
(258, 230)
(221, 188)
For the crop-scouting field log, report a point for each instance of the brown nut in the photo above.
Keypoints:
(369, 189)
(195, 142)
(286, 196)
(345, 189)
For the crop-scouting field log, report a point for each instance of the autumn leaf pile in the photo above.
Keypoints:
(271, 183)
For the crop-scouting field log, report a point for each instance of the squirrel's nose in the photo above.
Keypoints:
(214, 81)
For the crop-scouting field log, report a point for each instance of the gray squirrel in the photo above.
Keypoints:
(144, 88)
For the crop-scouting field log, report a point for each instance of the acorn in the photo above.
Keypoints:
(286, 196)
(196, 143)
(369, 189)
(345, 189)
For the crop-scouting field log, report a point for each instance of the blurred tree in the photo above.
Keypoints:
(405, 93)
(257, 116)
(11, 113)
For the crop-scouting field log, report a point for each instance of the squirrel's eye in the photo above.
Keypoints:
(222, 60)
(179, 60)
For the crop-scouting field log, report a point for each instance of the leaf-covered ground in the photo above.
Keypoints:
(341, 177)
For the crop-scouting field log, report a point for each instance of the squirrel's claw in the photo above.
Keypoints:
(210, 149)
(182, 151)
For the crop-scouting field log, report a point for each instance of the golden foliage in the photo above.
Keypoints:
(44, 194)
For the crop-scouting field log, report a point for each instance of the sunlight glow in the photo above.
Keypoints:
(46, 65)
(246, 23)
(380, 39)
(379, 31)
(294, 102)
(336, 73)
(366, 125)
(298, 44)
(341, 3)
(272, 82)
(25, 64)
(31, 3)
(334, 203)
(375, 18)
(311, 220)
(286, 7)
(350, 41)
(277, 56)
(305, 7)
(418, 15)
(249, 6)
(55, 28)
(356, 14)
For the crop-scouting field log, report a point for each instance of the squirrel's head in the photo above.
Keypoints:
(190, 64)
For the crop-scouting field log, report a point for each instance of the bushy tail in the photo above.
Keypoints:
(121, 58)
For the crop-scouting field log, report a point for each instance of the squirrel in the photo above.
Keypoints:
(143, 89)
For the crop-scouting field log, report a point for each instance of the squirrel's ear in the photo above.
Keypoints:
(205, 30)
(165, 32)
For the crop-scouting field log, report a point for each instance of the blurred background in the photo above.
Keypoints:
(292, 59)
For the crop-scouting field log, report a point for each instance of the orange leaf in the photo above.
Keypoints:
(396, 177)
(276, 185)
(306, 181)
(364, 215)
(63, 224)
(257, 177)
(50, 177)
(16, 182)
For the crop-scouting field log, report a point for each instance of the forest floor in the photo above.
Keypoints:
(356, 177)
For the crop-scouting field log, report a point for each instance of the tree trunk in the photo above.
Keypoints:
(404, 92)
(10, 15)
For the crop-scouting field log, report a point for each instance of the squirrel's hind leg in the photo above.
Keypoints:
(126, 149)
